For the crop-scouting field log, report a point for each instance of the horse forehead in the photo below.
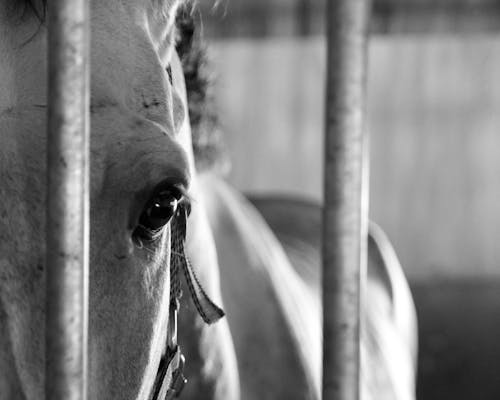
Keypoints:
(155, 6)
(127, 70)
(131, 48)
(149, 13)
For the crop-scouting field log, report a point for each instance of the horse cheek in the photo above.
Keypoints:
(129, 294)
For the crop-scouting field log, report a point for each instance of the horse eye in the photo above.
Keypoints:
(157, 213)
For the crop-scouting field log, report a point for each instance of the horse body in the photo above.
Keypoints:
(271, 287)
(140, 138)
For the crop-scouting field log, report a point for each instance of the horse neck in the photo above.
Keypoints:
(210, 356)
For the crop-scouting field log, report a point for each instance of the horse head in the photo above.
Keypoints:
(142, 171)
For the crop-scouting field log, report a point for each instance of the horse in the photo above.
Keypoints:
(142, 155)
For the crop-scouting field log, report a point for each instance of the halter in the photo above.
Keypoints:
(170, 378)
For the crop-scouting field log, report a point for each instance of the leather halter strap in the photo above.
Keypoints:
(170, 380)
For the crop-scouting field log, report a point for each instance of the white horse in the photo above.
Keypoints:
(141, 151)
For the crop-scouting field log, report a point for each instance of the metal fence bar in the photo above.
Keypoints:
(344, 217)
(67, 200)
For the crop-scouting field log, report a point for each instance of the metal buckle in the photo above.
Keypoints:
(170, 379)
(178, 379)
(175, 386)
(172, 325)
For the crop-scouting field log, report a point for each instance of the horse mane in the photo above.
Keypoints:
(208, 144)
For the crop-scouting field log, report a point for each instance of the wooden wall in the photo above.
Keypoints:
(434, 119)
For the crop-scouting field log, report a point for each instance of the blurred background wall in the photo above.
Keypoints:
(434, 123)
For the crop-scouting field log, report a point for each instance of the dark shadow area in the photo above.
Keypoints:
(459, 333)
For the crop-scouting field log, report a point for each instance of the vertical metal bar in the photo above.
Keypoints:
(67, 200)
(344, 217)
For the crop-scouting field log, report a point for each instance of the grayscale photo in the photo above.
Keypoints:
(249, 199)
